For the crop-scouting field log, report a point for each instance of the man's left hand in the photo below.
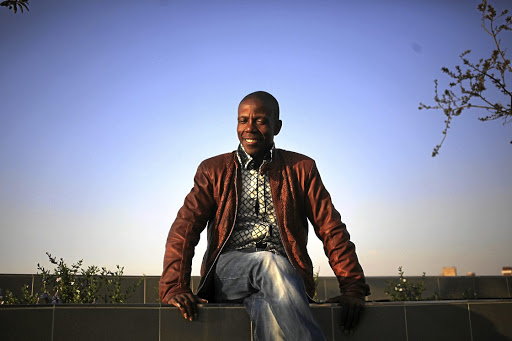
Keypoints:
(351, 311)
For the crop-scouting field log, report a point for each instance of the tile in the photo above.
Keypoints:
(38, 284)
(431, 285)
(332, 287)
(509, 284)
(214, 322)
(457, 288)
(194, 282)
(437, 321)
(377, 287)
(491, 287)
(136, 296)
(323, 316)
(378, 322)
(14, 283)
(152, 289)
(106, 322)
(26, 323)
(491, 321)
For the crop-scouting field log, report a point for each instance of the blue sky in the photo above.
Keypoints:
(107, 108)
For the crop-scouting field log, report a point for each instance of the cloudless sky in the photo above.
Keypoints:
(108, 107)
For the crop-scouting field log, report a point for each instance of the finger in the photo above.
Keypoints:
(181, 306)
(202, 300)
(199, 300)
(173, 301)
(343, 318)
(349, 319)
(357, 316)
(191, 308)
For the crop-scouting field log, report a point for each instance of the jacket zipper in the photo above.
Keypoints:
(284, 247)
(231, 231)
(229, 235)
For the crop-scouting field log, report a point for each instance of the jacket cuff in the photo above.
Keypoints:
(358, 289)
(173, 293)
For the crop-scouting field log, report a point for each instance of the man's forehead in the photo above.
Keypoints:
(255, 101)
(259, 105)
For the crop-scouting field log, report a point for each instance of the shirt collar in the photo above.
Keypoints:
(247, 161)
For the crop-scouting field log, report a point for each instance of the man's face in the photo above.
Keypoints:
(256, 127)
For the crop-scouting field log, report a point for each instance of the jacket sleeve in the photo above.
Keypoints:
(328, 226)
(184, 235)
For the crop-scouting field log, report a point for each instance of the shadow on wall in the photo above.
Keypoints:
(491, 323)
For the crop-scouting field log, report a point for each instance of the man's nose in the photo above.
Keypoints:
(251, 125)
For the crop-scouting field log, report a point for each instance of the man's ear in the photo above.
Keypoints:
(279, 124)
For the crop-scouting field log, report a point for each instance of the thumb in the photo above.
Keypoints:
(201, 300)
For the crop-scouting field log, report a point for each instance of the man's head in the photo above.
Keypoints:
(258, 122)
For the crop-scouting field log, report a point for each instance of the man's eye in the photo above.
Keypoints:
(242, 120)
(262, 121)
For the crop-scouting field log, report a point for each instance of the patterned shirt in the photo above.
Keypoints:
(256, 222)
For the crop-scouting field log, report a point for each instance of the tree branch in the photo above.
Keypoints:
(472, 79)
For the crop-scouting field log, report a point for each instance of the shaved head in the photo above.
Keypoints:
(269, 102)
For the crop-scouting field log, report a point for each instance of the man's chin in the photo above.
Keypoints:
(252, 152)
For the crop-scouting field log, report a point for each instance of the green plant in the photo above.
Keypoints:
(315, 281)
(7, 298)
(69, 284)
(114, 292)
(27, 297)
(402, 289)
(74, 284)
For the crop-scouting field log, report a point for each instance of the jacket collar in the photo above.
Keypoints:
(247, 162)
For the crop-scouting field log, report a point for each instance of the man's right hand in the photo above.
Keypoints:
(187, 303)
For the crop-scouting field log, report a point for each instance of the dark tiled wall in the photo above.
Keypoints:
(151, 289)
(443, 288)
(25, 323)
(14, 283)
(105, 323)
(439, 321)
(449, 288)
(442, 320)
(492, 287)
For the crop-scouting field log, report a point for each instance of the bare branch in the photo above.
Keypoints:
(15, 4)
(469, 88)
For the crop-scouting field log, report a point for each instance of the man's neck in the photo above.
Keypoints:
(256, 159)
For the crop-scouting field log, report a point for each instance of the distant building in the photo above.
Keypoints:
(449, 271)
(506, 271)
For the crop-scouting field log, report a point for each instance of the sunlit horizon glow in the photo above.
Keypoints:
(109, 107)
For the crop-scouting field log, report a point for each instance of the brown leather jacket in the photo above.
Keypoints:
(298, 194)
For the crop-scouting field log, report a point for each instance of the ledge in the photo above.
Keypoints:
(426, 320)
(445, 288)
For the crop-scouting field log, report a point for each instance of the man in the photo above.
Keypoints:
(256, 202)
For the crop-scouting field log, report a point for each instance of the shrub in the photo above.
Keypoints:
(74, 284)
(404, 290)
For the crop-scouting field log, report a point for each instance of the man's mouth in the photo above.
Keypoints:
(251, 140)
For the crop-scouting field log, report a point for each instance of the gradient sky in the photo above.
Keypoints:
(108, 107)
